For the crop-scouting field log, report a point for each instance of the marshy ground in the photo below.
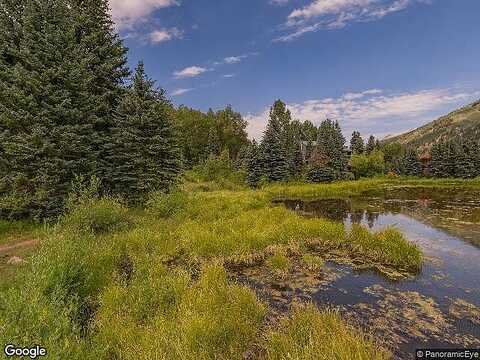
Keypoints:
(236, 274)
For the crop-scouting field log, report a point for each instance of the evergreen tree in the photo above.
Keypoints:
(411, 164)
(436, 166)
(254, 165)
(464, 158)
(49, 106)
(370, 145)
(298, 162)
(145, 156)
(274, 160)
(357, 145)
(331, 143)
(321, 174)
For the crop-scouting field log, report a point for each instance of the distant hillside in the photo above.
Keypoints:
(462, 121)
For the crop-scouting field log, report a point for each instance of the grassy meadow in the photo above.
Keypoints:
(111, 282)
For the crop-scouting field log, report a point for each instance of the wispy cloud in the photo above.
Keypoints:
(188, 72)
(162, 35)
(179, 92)
(336, 14)
(228, 76)
(278, 2)
(235, 59)
(127, 13)
(373, 111)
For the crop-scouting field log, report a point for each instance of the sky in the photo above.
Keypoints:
(378, 66)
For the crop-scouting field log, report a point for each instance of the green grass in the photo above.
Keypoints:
(112, 282)
(345, 189)
(312, 335)
(17, 231)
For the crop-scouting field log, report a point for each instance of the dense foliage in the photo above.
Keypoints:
(62, 70)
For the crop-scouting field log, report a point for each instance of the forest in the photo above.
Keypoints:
(146, 216)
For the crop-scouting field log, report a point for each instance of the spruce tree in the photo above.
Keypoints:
(357, 145)
(465, 158)
(274, 160)
(254, 165)
(52, 103)
(370, 145)
(331, 144)
(436, 166)
(145, 155)
(411, 164)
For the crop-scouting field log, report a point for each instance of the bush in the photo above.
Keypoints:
(167, 205)
(368, 165)
(96, 216)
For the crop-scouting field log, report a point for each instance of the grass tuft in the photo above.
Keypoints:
(310, 334)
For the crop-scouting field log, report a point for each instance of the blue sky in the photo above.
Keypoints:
(379, 66)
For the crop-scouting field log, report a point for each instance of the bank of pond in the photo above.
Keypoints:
(369, 269)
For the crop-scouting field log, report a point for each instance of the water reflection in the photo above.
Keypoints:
(423, 311)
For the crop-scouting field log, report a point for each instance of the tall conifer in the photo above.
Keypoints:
(145, 155)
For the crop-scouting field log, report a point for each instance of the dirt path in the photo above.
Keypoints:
(23, 244)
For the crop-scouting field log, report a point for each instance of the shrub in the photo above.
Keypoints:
(167, 205)
(96, 216)
(368, 165)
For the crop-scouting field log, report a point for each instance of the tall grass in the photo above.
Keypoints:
(118, 283)
(344, 189)
(312, 335)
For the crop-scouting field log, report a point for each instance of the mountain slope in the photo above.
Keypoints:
(464, 121)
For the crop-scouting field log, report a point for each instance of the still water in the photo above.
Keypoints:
(440, 307)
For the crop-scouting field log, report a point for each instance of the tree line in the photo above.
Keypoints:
(71, 111)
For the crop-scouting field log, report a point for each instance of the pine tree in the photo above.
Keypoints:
(254, 165)
(370, 144)
(331, 145)
(321, 174)
(298, 162)
(274, 160)
(357, 145)
(145, 156)
(411, 164)
(465, 159)
(50, 108)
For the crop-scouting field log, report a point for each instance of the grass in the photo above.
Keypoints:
(17, 231)
(345, 189)
(112, 282)
(309, 334)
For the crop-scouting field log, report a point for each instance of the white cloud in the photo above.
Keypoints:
(372, 111)
(325, 7)
(163, 35)
(228, 76)
(236, 59)
(126, 13)
(336, 14)
(278, 2)
(233, 59)
(179, 92)
(191, 71)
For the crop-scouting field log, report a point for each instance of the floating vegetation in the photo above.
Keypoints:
(464, 310)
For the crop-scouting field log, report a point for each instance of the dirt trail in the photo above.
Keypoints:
(23, 244)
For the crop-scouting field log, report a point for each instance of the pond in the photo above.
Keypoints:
(438, 308)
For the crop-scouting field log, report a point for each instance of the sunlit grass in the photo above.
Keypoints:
(344, 189)
(313, 335)
(112, 282)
